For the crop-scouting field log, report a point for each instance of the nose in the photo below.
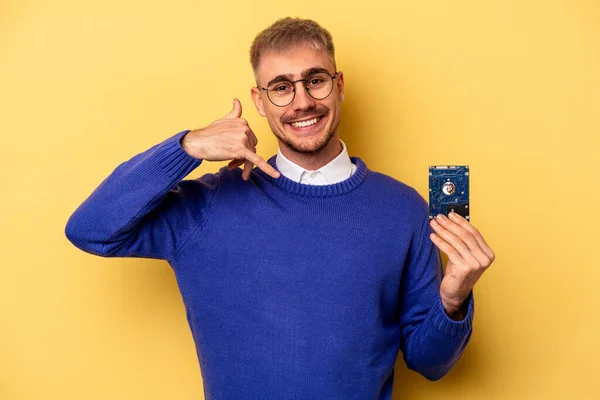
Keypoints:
(302, 100)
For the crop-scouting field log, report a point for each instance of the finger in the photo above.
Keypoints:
(237, 162)
(447, 249)
(247, 170)
(455, 241)
(251, 144)
(247, 164)
(253, 138)
(468, 226)
(465, 236)
(458, 229)
(234, 164)
(236, 111)
(262, 164)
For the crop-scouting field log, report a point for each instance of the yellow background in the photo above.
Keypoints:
(511, 88)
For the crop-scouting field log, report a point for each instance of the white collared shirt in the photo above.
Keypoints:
(337, 170)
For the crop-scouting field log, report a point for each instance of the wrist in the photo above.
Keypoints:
(186, 143)
(456, 315)
(456, 310)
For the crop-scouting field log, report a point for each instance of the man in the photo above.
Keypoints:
(304, 277)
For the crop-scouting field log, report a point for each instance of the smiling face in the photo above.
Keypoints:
(306, 127)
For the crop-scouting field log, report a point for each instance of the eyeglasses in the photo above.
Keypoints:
(318, 86)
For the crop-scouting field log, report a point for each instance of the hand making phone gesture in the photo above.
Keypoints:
(228, 138)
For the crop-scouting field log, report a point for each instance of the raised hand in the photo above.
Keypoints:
(228, 138)
(468, 258)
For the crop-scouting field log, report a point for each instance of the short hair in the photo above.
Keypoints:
(287, 33)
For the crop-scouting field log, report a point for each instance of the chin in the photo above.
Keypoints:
(308, 145)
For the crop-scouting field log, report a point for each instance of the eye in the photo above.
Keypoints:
(316, 80)
(281, 87)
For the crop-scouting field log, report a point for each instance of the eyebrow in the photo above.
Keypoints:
(303, 74)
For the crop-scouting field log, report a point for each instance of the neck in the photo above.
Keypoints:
(314, 161)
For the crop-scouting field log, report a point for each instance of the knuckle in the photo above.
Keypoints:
(237, 153)
(482, 257)
(454, 240)
(471, 241)
(464, 235)
(458, 260)
(485, 262)
(474, 266)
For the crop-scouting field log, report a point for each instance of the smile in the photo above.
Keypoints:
(304, 124)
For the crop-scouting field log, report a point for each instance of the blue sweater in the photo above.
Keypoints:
(291, 291)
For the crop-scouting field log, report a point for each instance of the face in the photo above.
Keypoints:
(306, 125)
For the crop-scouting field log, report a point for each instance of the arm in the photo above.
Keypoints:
(431, 341)
(435, 337)
(143, 210)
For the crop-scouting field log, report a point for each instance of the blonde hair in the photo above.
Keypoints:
(287, 33)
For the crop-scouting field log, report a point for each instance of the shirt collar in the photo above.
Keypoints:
(337, 170)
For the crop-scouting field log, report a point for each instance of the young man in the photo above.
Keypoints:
(304, 277)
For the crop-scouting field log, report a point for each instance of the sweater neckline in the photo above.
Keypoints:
(335, 189)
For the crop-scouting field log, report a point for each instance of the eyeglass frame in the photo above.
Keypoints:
(305, 88)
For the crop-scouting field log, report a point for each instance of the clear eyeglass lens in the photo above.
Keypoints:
(319, 85)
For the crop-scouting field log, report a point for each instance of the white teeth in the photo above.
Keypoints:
(303, 124)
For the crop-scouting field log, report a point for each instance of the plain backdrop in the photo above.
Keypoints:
(511, 88)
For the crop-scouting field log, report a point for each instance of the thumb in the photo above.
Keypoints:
(236, 112)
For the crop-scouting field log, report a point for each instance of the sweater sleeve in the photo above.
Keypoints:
(431, 342)
(143, 208)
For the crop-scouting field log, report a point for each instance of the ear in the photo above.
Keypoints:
(340, 84)
(257, 99)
